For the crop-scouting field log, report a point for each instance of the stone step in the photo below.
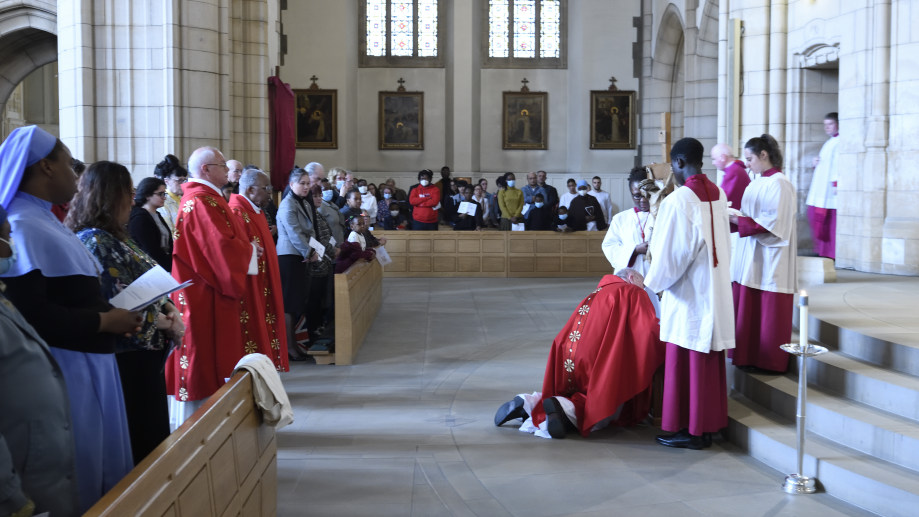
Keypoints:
(857, 426)
(885, 348)
(864, 382)
(858, 479)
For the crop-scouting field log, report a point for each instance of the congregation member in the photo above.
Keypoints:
(389, 214)
(331, 213)
(99, 214)
(510, 201)
(491, 205)
(600, 365)
(479, 196)
(315, 171)
(561, 220)
(551, 192)
(234, 171)
(691, 263)
(171, 171)
(266, 285)
(425, 201)
(585, 212)
(372, 189)
(565, 199)
(353, 201)
(320, 298)
(346, 180)
(821, 198)
(212, 250)
(732, 174)
(763, 269)
(356, 225)
(54, 282)
(540, 216)
(626, 241)
(443, 184)
(295, 228)
(529, 192)
(146, 226)
(464, 221)
(33, 480)
(397, 193)
(603, 198)
(368, 200)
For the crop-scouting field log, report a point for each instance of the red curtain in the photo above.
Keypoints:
(283, 131)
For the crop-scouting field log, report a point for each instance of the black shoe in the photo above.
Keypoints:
(684, 440)
(510, 410)
(557, 422)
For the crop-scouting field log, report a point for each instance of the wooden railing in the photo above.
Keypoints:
(358, 296)
(447, 253)
(221, 461)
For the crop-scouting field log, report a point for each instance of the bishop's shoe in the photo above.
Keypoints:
(557, 422)
(684, 440)
(510, 410)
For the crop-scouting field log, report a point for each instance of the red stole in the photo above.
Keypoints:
(605, 355)
(266, 284)
(212, 250)
(705, 190)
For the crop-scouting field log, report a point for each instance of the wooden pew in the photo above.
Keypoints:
(358, 296)
(221, 461)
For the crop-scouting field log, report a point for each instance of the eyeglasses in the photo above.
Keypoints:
(160, 194)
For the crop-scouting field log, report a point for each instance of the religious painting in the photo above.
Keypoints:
(612, 119)
(317, 118)
(401, 123)
(525, 120)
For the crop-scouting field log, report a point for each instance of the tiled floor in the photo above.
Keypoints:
(408, 430)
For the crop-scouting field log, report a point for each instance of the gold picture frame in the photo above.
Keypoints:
(525, 120)
(316, 118)
(612, 119)
(401, 121)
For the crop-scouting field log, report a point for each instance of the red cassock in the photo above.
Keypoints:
(210, 248)
(605, 356)
(266, 283)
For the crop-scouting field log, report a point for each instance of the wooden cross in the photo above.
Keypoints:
(314, 86)
(612, 85)
(524, 88)
(401, 82)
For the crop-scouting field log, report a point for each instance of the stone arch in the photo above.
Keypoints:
(665, 86)
(701, 70)
(28, 41)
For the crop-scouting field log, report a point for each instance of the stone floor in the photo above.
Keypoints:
(408, 430)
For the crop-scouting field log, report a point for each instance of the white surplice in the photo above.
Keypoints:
(624, 234)
(822, 193)
(766, 261)
(697, 308)
(605, 203)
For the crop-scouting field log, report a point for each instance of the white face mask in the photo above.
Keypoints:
(339, 184)
(511, 183)
(362, 190)
(538, 204)
(424, 183)
(563, 216)
(582, 192)
(394, 213)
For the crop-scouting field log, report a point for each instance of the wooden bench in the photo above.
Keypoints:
(358, 296)
(221, 461)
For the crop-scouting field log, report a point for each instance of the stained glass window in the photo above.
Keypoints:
(402, 30)
(526, 30)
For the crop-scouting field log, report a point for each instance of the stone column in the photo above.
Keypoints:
(462, 86)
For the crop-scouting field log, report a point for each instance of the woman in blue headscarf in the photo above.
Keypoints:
(55, 284)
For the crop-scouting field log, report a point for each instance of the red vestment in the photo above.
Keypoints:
(210, 248)
(735, 182)
(605, 355)
(267, 283)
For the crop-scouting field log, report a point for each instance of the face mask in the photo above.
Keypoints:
(362, 190)
(510, 183)
(538, 204)
(424, 183)
(394, 213)
(582, 192)
(563, 216)
(6, 263)
(387, 195)
(339, 184)
(327, 195)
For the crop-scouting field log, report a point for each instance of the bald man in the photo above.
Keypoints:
(732, 174)
(234, 171)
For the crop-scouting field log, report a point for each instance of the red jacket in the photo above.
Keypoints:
(424, 199)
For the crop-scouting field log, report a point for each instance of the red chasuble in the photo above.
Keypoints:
(210, 248)
(605, 355)
(267, 283)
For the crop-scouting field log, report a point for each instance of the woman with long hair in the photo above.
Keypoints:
(99, 215)
(146, 226)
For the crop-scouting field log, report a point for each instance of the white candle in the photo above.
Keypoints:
(802, 321)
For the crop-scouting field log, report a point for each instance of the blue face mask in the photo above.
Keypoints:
(563, 216)
(511, 183)
(327, 195)
(339, 184)
(539, 204)
(6, 263)
(387, 195)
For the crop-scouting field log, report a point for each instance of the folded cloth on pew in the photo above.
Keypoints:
(269, 393)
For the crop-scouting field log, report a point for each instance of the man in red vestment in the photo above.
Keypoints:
(212, 250)
(732, 174)
(600, 365)
(253, 194)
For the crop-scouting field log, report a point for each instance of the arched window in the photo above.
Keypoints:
(401, 33)
(525, 34)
